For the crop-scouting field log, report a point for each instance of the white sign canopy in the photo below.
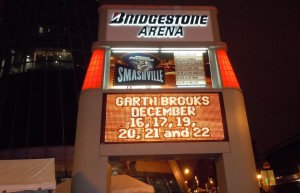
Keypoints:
(27, 174)
(127, 184)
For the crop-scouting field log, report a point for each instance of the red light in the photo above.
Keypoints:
(94, 74)
(228, 77)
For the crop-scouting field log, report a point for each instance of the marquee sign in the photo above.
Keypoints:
(163, 117)
(167, 25)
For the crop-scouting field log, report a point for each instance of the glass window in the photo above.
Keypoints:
(16, 68)
(28, 66)
(40, 30)
(170, 176)
(2, 67)
(54, 59)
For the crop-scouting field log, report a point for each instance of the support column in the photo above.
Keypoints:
(237, 167)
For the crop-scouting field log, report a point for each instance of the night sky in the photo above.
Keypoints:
(263, 46)
(263, 41)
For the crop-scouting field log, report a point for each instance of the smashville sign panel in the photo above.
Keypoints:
(163, 117)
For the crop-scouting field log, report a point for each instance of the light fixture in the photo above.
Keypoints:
(186, 171)
(129, 50)
(184, 49)
(156, 50)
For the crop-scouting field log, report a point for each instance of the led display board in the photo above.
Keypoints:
(172, 69)
(163, 117)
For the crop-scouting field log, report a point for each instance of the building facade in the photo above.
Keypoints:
(44, 51)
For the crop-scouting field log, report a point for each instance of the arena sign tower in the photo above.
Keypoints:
(160, 84)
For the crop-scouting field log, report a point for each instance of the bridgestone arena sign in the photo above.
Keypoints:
(168, 25)
(159, 25)
(163, 117)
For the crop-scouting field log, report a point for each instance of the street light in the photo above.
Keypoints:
(186, 171)
(259, 176)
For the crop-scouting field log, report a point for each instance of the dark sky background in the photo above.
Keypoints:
(264, 49)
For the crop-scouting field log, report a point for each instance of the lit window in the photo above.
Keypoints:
(41, 30)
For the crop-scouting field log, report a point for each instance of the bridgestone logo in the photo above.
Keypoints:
(159, 20)
(159, 26)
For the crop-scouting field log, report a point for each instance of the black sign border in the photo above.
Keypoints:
(223, 115)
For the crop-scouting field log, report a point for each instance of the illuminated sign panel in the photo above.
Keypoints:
(189, 67)
(163, 117)
(163, 70)
(139, 69)
(167, 25)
